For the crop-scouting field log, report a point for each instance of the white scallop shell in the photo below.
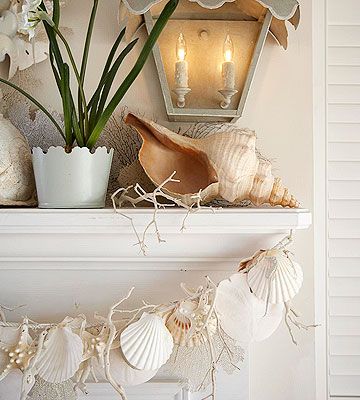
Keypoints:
(125, 375)
(242, 315)
(147, 344)
(274, 277)
(61, 355)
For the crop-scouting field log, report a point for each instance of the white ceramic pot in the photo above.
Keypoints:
(72, 180)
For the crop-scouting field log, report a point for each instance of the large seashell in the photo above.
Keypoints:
(181, 325)
(147, 344)
(242, 315)
(125, 375)
(222, 166)
(61, 355)
(274, 277)
(17, 184)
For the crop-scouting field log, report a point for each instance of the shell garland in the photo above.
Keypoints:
(248, 306)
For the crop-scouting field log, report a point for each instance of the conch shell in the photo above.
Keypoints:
(224, 165)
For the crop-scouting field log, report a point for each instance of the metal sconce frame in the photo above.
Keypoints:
(209, 114)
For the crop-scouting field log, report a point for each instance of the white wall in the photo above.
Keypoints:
(280, 110)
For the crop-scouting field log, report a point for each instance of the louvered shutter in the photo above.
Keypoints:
(344, 196)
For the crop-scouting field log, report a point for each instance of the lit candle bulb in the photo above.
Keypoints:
(228, 67)
(228, 73)
(181, 66)
(181, 72)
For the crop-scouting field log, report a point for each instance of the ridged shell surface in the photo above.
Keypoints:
(275, 278)
(147, 344)
(242, 315)
(61, 355)
(180, 325)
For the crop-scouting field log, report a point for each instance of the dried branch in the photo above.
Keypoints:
(291, 318)
(154, 198)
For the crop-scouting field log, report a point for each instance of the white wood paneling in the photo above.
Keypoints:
(343, 99)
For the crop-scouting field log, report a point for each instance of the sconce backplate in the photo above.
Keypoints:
(205, 39)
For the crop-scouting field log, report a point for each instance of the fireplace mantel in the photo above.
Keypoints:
(66, 262)
(91, 239)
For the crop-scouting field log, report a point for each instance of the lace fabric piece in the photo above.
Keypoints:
(43, 390)
(192, 365)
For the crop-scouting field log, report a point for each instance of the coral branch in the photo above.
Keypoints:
(154, 198)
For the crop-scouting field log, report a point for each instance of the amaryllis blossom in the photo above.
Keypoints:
(31, 15)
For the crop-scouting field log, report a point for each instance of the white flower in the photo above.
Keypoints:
(31, 15)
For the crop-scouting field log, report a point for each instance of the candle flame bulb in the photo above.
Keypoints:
(181, 48)
(228, 49)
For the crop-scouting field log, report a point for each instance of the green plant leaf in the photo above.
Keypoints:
(96, 96)
(128, 81)
(111, 76)
(66, 102)
(81, 106)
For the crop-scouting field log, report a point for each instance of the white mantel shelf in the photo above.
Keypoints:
(102, 239)
(231, 220)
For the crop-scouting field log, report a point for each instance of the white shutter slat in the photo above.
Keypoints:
(344, 326)
(345, 386)
(344, 131)
(344, 190)
(344, 151)
(344, 208)
(344, 267)
(345, 345)
(345, 307)
(345, 287)
(344, 228)
(345, 365)
(344, 75)
(343, 12)
(344, 35)
(343, 94)
(344, 171)
(343, 55)
(345, 112)
(347, 248)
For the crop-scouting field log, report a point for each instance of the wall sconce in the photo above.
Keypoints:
(218, 47)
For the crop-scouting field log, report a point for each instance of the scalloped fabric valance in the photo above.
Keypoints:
(281, 9)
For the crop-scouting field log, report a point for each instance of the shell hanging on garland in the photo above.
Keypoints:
(17, 183)
(61, 355)
(16, 349)
(182, 325)
(124, 374)
(274, 277)
(221, 166)
(243, 316)
(147, 344)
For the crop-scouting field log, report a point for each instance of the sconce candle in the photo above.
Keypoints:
(228, 73)
(228, 67)
(181, 72)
